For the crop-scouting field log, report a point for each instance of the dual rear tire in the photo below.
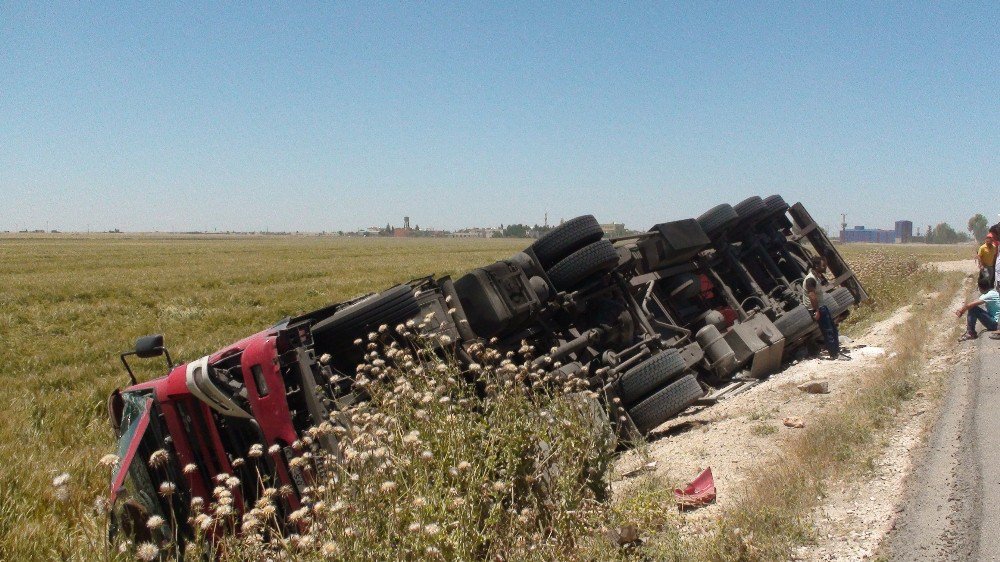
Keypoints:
(575, 252)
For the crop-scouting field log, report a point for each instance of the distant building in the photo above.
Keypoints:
(476, 233)
(904, 231)
(613, 229)
(873, 235)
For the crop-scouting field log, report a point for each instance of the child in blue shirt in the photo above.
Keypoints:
(986, 310)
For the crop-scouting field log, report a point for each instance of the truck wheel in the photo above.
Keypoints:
(567, 238)
(776, 209)
(391, 307)
(795, 322)
(751, 211)
(717, 220)
(599, 257)
(651, 374)
(840, 300)
(775, 205)
(665, 404)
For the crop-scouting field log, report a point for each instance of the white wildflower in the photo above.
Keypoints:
(147, 552)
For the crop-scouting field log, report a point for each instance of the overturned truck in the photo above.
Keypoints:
(689, 311)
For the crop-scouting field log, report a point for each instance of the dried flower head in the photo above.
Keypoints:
(108, 460)
(159, 458)
(147, 552)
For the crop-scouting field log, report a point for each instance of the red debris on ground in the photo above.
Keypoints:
(699, 492)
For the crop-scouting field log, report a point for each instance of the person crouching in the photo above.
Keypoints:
(985, 310)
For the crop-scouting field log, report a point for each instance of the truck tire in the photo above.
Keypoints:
(599, 257)
(718, 220)
(751, 211)
(665, 404)
(776, 209)
(840, 300)
(775, 205)
(567, 238)
(795, 322)
(639, 381)
(391, 307)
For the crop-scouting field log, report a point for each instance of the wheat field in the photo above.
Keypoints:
(69, 304)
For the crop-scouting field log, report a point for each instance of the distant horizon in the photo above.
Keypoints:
(832, 229)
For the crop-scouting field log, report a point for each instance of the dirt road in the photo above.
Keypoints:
(952, 505)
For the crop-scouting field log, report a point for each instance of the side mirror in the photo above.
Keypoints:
(149, 346)
(146, 347)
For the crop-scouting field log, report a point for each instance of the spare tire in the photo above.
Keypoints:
(795, 322)
(567, 238)
(599, 257)
(718, 220)
(391, 307)
(751, 211)
(651, 374)
(665, 404)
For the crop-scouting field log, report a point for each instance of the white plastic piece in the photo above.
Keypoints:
(204, 388)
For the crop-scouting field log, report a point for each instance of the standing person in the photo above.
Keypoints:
(986, 258)
(985, 310)
(816, 299)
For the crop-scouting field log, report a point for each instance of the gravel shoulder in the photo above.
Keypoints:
(856, 516)
(733, 435)
(746, 431)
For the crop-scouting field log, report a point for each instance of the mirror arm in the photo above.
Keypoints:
(131, 375)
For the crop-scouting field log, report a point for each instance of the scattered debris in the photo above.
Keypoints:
(625, 535)
(648, 467)
(794, 421)
(699, 492)
(871, 351)
(815, 387)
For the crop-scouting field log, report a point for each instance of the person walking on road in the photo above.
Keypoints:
(817, 300)
(986, 258)
(985, 310)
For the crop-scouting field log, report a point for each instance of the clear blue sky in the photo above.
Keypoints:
(326, 117)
